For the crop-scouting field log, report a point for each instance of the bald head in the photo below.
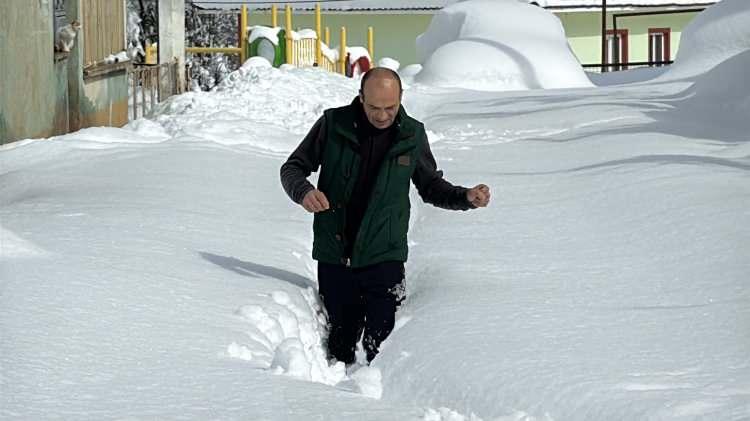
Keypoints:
(378, 73)
(380, 95)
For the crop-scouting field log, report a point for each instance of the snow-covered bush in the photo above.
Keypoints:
(142, 27)
(216, 30)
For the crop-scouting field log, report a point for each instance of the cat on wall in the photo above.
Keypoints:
(66, 35)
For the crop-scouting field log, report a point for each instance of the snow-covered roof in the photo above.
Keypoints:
(424, 5)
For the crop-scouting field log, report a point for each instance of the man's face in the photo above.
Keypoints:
(381, 101)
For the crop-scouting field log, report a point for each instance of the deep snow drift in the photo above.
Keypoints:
(497, 46)
(158, 271)
(715, 35)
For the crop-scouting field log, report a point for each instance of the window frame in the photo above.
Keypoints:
(622, 34)
(59, 19)
(666, 33)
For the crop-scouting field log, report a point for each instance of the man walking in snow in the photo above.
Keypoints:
(367, 152)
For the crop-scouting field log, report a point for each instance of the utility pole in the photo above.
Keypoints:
(604, 36)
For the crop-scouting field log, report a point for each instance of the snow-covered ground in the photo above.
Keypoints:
(159, 271)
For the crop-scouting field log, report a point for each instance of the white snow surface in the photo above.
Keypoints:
(623, 77)
(257, 61)
(116, 58)
(720, 32)
(304, 34)
(259, 31)
(497, 45)
(410, 71)
(327, 51)
(389, 63)
(355, 53)
(158, 271)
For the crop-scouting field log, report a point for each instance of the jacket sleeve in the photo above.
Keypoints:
(431, 185)
(303, 161)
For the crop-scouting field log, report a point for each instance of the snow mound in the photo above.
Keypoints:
(625, 77)
(259, 31)
(369, 380)
(257, 61)
(410, 71)
(110, 137)
(715, 35)
(497, 46)
(285, 338)
(330, 53)
(446, 414)
(389, 63)
(719, 94)
(356, 53)
(15, 247)
(258, 106)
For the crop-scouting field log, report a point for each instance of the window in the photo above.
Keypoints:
(658, 46)
(60, 16)
(617, 49)
(60, 19)
(103, 29)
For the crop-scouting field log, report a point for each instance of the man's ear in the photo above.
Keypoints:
(361, 97)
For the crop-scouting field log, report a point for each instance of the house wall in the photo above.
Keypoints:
(33, 98)
(583, 30)
(94, 101)
(104, 100)
(41, 96)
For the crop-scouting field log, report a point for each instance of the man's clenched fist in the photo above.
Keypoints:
(479, 195)
(315, 201)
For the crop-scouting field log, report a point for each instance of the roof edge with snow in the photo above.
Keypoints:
(415, 7)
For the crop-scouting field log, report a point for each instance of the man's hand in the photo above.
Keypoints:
(479, 195)
(315, 201)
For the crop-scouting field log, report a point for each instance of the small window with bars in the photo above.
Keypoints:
(658, 46)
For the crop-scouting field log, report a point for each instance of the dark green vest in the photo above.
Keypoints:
(382, 235)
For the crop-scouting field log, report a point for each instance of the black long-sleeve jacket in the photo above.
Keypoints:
(429, 181)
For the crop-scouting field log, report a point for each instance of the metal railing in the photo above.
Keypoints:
(148, 85)
(327, 64)
(616, 67)
(303, 52)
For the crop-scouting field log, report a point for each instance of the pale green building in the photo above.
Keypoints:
(654, 37)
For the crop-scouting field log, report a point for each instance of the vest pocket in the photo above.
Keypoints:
(399, 225)
(325, 227)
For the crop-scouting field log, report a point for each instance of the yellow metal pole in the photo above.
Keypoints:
(288, 16)
(209, 50)
(243, 34)
(371, 44)
(342, 52)
(328, 36)
(151, 54)
(274, 16)
(318, 40)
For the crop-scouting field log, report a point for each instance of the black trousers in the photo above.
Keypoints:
(357, 300)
